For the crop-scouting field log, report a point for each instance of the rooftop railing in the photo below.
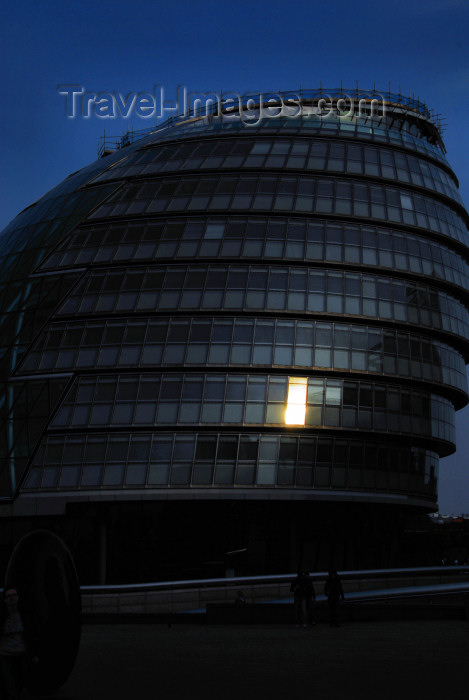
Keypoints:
(212, 108)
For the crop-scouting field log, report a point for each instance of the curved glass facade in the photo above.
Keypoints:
(237, 193)
(287, 290)
(277, 311)
(314, 154)
(239, 399)
(227, 460)
(245, 341)
(255, 236)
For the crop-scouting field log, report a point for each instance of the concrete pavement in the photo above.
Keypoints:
(366, 660)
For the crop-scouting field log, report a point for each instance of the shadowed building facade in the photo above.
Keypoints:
(228, 336)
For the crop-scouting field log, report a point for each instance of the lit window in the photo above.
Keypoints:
(214, 231)
(296, 402)
(406, 201)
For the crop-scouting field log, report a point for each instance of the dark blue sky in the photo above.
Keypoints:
(126, 47)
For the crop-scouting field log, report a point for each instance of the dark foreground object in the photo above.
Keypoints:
(43, 571)
(366, 660)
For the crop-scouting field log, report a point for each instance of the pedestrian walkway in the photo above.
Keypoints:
(367, 660)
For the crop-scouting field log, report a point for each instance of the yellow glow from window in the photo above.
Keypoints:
(296, 402)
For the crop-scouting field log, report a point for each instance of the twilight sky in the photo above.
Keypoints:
(259, 46)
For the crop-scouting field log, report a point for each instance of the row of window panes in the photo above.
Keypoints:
(226, 341)
(22, 320)
(261, 238)
(378, 129)
(168, 459)
(162, 399)
(25, 305)
(253, 287)
(281, 193)
(38, 298)
(302, 154)
(26, 408)
(22, 400)
(42, 225)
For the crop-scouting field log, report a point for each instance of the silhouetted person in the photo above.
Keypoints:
(16, 645)
(240, 599)
(334, 593)
(303, 595)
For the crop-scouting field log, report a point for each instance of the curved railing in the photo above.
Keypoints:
(237, 581)
(390, 99)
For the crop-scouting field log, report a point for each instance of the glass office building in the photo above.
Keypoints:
(248, 331)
